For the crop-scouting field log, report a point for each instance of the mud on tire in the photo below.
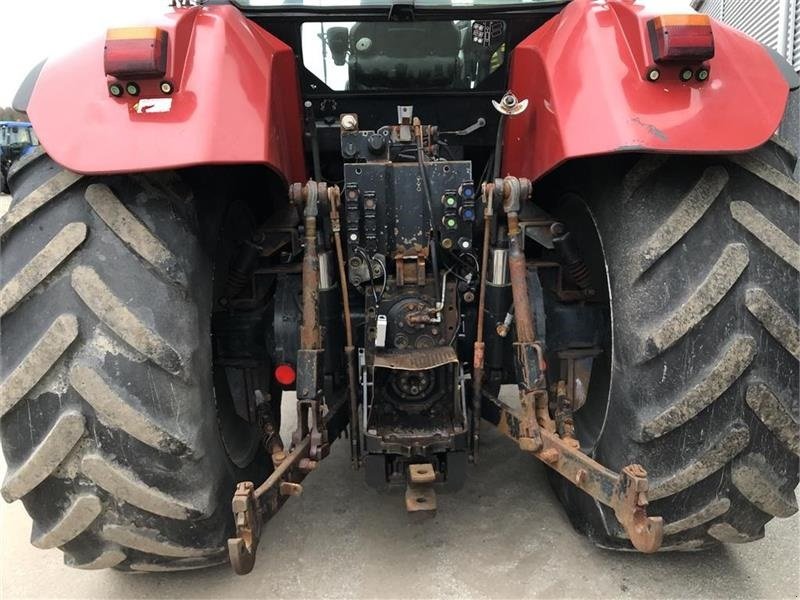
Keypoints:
(703, 259)
(109, 426)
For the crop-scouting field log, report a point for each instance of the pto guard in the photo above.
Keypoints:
(585, 74)
(236, 101)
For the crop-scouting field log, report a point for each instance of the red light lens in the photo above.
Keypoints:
(137, 52)
(681, 38)
(285, 374)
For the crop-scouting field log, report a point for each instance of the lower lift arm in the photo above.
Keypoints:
(534, 430)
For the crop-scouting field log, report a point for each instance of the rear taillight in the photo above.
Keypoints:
(136, 52)
(681, 38)
(285, 374)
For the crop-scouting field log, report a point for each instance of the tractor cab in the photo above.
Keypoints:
(16, 140)
(18, 135)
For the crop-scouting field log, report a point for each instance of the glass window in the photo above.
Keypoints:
(381, 55)
(387, 3)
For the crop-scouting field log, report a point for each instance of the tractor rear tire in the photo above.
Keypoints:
(702, 262)
(109, 425)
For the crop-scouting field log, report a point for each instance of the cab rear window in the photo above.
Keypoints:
(380, 55)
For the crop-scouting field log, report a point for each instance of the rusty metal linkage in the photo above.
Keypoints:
(625, 493)
(334, 198)
(554, 443)
(530, 362)
(565, 424)
(251, 507)
(310, 439)
(478, 354)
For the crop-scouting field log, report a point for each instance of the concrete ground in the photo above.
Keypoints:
(504, 535)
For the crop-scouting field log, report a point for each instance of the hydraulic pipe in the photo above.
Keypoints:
(478, 359)
(349, 349)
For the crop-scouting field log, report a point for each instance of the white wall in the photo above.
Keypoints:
(775, 23)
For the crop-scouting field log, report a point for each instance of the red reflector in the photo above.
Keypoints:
(681, 38)
(285, 374)
(137, 52)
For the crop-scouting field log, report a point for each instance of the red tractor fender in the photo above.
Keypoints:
(585, 75)
(235, 100)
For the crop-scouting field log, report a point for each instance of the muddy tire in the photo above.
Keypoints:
(703, 280)
(109, 426)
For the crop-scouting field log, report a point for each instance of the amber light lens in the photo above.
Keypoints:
(136, 52)
(681, 38)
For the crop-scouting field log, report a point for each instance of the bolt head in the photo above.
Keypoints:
(349, 122)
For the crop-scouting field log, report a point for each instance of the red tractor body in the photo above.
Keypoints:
(584, 71)
(229, 76)
(573, 221)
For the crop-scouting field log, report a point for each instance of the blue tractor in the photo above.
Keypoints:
(16, 140)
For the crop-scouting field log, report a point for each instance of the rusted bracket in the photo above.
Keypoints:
(625, 492)
(530, 364)
(251, 506)
(420, 495)
(242, 548)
